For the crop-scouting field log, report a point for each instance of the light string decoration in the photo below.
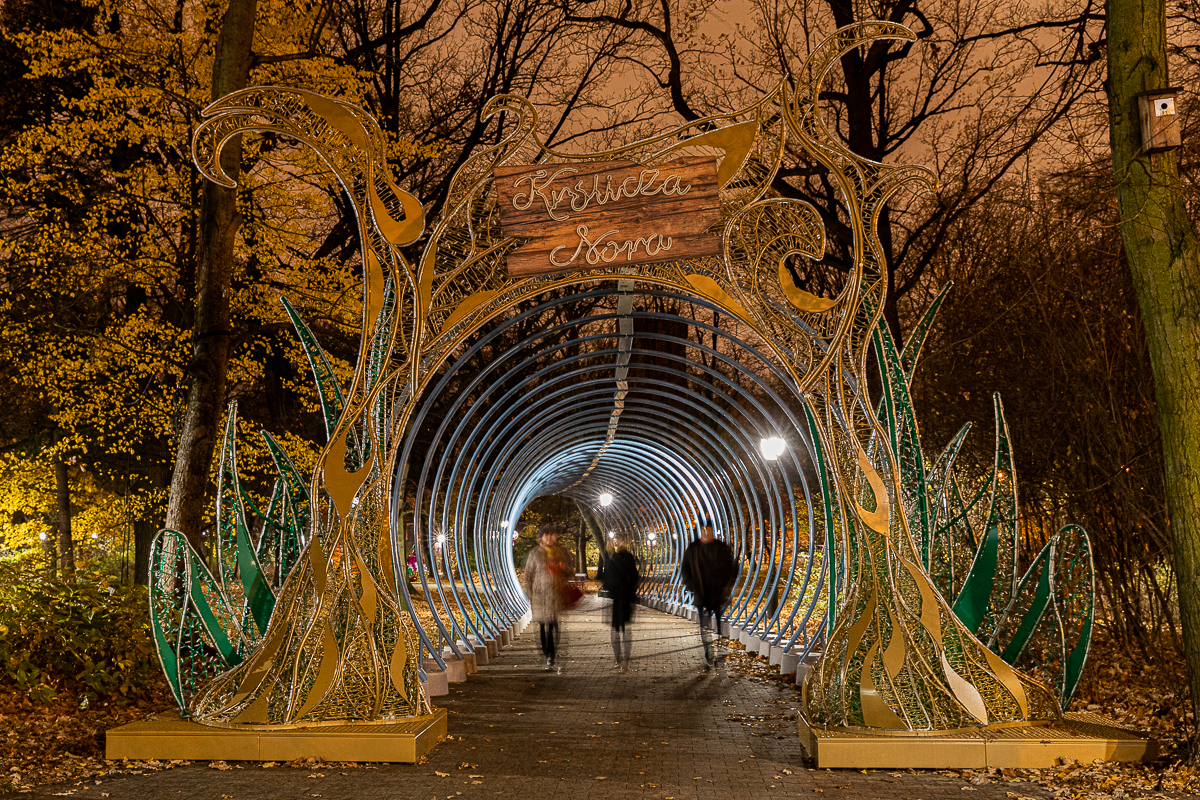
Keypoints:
(312, 623)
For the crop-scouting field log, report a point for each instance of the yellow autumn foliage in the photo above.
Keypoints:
(98, 259)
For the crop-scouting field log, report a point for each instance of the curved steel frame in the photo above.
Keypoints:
(334, 642)
(587, 405)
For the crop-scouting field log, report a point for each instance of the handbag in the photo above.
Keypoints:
(571, 595)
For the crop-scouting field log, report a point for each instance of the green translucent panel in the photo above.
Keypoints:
(381, 341)
(899, 419)
(329, 390)
(285, 524)
(918, 335)
(242, 578)
(992, 581)
(834, 561)
(972, 605)
(196, 631)
(369, 428)
(952, 542)
(1042, 623)
(1074, 604)
(1032, 600)
(1048, 630)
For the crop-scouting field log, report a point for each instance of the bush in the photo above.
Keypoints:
(87, 637)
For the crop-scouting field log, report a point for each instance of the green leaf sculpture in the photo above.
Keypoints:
(205, 624)
(1039, 622)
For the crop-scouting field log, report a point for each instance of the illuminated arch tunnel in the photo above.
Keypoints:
(671, 427)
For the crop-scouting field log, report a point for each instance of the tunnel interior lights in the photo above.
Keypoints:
(481, 379)
(539, 420)
(772, 447)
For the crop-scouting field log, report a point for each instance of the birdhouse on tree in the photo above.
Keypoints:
(1160, 120)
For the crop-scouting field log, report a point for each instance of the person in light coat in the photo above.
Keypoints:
(548, 568)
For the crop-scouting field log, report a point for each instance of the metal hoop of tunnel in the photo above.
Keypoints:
(680, 457)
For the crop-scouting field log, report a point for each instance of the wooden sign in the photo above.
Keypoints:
(605, 214)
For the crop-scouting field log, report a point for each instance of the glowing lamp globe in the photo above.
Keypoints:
(772, 448)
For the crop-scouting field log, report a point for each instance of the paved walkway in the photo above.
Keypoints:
(666, 730)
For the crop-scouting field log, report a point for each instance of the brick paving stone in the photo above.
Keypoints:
(667, 730)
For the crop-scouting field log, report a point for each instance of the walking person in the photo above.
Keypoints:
(547, 570)
(708, 572)
(621, 579)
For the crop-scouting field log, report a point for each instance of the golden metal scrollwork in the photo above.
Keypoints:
(340, 646)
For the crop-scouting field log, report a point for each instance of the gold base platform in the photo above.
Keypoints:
(181, 739)
(1084, 737)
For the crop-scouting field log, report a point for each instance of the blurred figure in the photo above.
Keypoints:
(709, 572)
(547, 570)
(621, 579)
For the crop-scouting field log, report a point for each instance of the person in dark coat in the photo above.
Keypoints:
(708, 571)
(621, 579)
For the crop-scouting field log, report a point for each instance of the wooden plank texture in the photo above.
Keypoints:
(611, 213)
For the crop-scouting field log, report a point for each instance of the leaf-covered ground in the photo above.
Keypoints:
(62, 743)
(1150, 697)
(1145, 696)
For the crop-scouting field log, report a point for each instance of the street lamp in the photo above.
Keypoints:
(612, 534)
(652, 536)
(503, 524)
(772, 448)
(606, 499)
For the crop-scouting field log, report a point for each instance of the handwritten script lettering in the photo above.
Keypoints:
(608, 215)
(578, 197)
(602, 252)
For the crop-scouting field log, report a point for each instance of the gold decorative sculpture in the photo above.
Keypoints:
(340, 647)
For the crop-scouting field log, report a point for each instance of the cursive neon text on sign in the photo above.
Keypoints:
(607, 214)
(606, 252)
(578, 197)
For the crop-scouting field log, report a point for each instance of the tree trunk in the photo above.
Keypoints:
(1164, 255)
(143, 537)
(62, 486)
(596, 532)
(219, 221)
